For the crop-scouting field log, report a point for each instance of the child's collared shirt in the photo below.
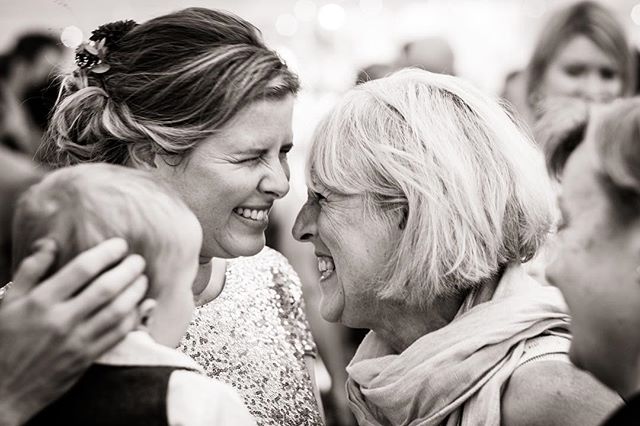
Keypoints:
(140, 376)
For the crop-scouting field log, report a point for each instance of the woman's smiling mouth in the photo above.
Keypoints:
(257, 215)
(326, 267)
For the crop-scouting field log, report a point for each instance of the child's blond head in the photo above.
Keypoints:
(81, 206)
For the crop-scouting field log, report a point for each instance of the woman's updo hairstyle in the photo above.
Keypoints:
(171, 82)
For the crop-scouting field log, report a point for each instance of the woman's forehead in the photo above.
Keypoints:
(582, 49)
(261, 126)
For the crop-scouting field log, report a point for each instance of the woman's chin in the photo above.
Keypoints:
(331, 307)
(245, 247)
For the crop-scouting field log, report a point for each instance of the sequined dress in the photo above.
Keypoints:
(254, 336)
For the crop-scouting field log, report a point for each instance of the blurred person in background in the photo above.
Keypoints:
(31, 63)
(598, 246)
(28, 90)
(424, 200)
(17, 173)
(582, 52)
(224, 149)
(430, 54)
(374, 72)
(582, 56)
(514, 92)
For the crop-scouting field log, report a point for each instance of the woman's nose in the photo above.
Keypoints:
(276, 182)
(593, 88)
(305, 226)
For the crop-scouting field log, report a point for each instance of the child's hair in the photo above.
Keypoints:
(83, 205)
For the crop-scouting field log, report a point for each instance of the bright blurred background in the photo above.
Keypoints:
(327, 41)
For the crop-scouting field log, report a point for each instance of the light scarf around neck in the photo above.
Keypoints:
(456, 374)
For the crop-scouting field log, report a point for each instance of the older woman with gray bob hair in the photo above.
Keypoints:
(424, 200)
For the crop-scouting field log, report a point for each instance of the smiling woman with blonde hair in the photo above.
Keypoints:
(425, 199)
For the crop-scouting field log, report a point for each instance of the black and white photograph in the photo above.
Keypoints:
(320, 212)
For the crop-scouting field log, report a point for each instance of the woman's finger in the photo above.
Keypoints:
(106, 287)
(80, 270)
(115, 312)
(32, 269)
(113, 336)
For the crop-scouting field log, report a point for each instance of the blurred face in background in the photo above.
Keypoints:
(596, 270)
(46, 64)
(581, 69)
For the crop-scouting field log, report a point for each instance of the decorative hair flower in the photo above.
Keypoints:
(92, 55)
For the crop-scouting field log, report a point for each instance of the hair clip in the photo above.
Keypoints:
(91, 55)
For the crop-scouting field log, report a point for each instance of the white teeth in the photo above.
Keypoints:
(325, 267)
(252, 214)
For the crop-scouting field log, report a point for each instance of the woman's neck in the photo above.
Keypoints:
(401, 327)
(209, 281)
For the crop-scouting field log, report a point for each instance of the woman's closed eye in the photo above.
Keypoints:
(259, 157)
(575, 70)
(285, 150)
(316, 197)
(561, 225)
(250, 160)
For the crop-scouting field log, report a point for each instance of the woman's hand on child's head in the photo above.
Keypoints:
(51, 330)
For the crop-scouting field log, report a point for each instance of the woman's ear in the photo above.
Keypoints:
(144, 158)
(145, 313)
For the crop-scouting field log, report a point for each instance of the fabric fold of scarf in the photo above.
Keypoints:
(455, 375)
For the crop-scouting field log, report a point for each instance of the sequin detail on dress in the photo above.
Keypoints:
(254, 336)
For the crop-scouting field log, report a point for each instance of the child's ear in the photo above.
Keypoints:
(145, 314)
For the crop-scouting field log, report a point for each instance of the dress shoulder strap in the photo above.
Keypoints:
(548, 347)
